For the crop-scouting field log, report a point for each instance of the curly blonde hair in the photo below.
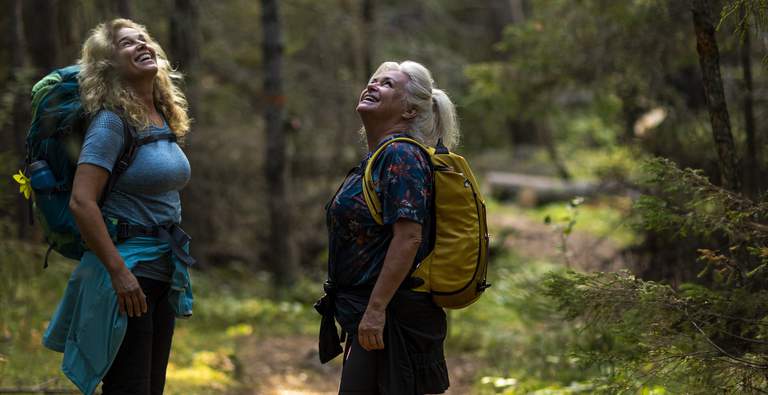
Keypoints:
(102, 88)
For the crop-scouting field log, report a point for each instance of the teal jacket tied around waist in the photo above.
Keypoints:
(87, 325)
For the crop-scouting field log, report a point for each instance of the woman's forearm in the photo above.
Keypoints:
(94, 231)
(87, 188)
(397, 263)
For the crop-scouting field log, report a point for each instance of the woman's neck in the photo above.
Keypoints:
(144, 91)
(375, 133)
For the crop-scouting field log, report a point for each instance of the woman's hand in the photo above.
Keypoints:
(370, 332)
(130, 297)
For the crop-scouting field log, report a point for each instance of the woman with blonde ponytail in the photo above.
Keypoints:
(396, 334)
(116, 319)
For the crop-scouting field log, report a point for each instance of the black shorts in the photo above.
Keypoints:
(412, 361)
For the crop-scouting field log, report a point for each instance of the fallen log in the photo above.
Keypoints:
(530, 190)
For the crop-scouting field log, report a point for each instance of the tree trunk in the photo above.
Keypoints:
(123, 8)
(709, 60)
(546, 139)
(20, 116)
(41, 34)
(73, 28)
(517, 11)
(367, 37)
(279, 254)
(752, 164)
(185, 42)
(630, 111)
(184, 32)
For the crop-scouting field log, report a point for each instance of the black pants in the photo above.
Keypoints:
(139, 367)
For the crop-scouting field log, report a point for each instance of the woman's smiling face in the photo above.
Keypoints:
(384, 95)
(135, 59)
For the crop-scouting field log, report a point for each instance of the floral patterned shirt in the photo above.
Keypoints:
(402, 178)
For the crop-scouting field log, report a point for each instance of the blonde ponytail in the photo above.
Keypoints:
(446, 125)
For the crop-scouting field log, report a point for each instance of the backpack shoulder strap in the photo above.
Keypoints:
(130, 138)
(369, 192)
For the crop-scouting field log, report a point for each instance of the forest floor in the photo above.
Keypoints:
(288, 365)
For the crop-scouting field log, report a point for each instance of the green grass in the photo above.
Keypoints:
(28, 296)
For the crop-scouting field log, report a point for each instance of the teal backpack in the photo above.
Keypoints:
(56, 136)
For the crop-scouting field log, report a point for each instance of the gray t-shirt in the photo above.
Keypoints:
(148, 192)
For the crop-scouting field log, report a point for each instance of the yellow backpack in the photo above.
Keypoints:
(455, 270)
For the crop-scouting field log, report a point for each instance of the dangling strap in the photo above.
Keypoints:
(30, 208)
(170, 233)
(47, 253)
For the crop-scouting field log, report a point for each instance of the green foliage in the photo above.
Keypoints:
(515, 333)
(599, 57)
(685, 200)
(694, 338)
(751, 14)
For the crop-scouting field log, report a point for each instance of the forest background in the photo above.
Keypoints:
(634, 260)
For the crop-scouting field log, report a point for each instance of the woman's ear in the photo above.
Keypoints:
(409, 113)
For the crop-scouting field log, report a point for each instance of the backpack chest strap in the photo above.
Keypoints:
(155, 137)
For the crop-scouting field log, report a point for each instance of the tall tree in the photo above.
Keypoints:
(42, 34)
(185, 41)
(184, 54)
(709, 60)
(279, 254)
(517, 9)
(123, 8)
(20, 115)
(368, 37)
(752, 153)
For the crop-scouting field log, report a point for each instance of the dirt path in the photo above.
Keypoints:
(535, 240)
(289, 366)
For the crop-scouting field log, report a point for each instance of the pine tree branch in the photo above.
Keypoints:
(726, 353)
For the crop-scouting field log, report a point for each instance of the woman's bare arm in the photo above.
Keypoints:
(402, 250)
(87, 187)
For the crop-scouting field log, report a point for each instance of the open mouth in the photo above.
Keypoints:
(144, 57)
(369, 98)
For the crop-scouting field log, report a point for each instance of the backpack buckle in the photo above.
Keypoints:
(121, 166)
(123, 231)
(482, 286)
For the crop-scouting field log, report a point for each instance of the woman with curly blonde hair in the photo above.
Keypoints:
(116, 320)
